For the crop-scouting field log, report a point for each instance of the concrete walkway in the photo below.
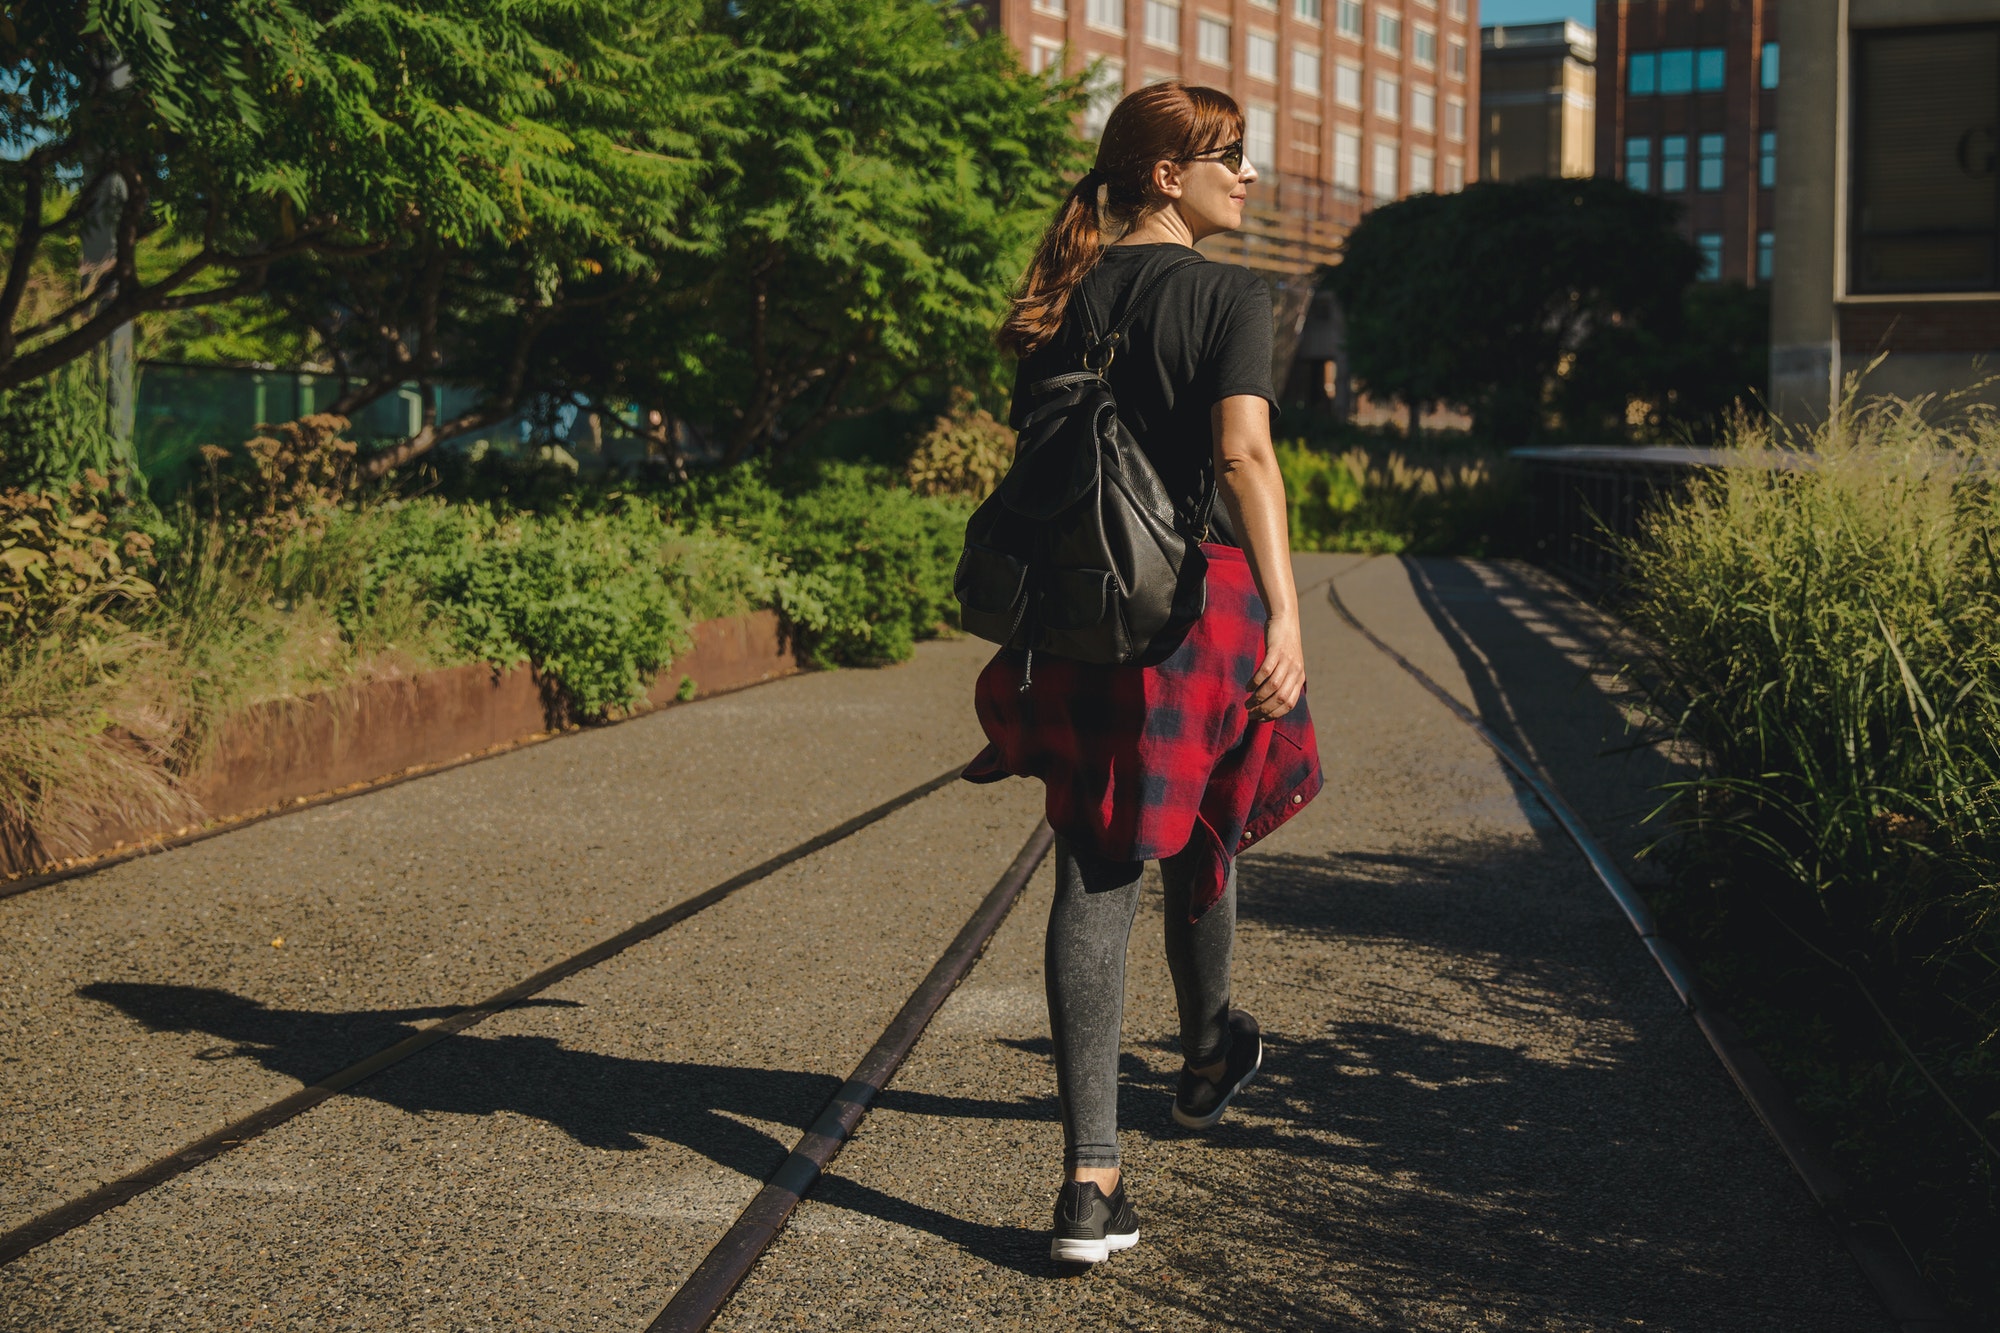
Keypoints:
(1481, 1107)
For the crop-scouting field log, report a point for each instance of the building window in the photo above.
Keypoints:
(1260, 134)
(1767, 159)
(1676, 71)
(1710, 65)
(1388, 97)
(1260, 56)
(1925, 207)
(1454, 119)
(1673, 163)
(1455, 64)
(1708, 171)
(1764, 247)
(1106, 84)
(1054, 8)
(1263, 4)
(1389, 32)
(1307, 10)
(1458, 9)
(1382, 180)
(1767, 68)
(1642, 73)
(1710, 245)
(1305, 70)
(1163, 25)
(1106, 14)
(1347, 83)
(1214, 40)
(1423, 173)
(1454, 175)
(1347, 160)
(1045, 55)
(1348, 18)
(1424, 109)
(1639, 164)
(1424, 47)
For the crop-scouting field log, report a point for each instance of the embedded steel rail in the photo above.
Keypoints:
(716, 1278)
(68, 1216)
(1887, 1268)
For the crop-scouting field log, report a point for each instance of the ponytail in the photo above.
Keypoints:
(1162, 121)
(1069, 249)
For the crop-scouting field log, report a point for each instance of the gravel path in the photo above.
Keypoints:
(1481, 1107)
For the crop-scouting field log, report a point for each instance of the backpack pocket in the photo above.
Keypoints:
(991, 587)
(1076, 599)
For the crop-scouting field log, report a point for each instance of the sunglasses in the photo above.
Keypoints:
(1229, 155)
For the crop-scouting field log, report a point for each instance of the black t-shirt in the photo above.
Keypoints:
(1204, 335)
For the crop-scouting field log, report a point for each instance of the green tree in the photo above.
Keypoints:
(885, 171)
(1491, 297)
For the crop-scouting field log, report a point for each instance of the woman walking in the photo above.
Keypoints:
(1192, 759)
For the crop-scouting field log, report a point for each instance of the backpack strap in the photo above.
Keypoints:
(1106, 347)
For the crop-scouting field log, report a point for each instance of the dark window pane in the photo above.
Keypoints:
(1926, 192)
(1677, 71)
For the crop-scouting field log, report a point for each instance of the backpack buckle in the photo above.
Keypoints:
(1109, 348)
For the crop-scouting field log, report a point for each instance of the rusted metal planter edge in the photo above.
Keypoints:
(290, 754)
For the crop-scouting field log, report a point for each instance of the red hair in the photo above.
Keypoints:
(1160, 122)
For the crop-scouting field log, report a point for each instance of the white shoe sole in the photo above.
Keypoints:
(1067, 1251)
(1186, 1121)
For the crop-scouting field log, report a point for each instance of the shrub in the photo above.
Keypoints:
(964, 454)
(1390, 501)
(62, 553)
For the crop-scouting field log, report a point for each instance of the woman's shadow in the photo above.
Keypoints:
(604, 1102)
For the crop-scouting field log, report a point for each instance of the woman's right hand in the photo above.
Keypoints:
(1281, 677)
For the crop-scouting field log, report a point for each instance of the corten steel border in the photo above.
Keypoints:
(1902, 1290)
(723, 1269)
(67, 1217)
(298, 754)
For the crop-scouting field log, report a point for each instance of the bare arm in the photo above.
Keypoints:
(1246, 473)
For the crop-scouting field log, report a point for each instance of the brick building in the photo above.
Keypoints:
(1687, 109)
(1888, 207)
(1347, 103)
(1537, 101)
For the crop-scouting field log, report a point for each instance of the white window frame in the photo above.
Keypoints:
(1394, 87)
(1454, 175)
(1107, 86)
(1383, 16)
(1347, 84)
(1456, 66)
(1044, 53)
(1454, 119)
(1390, 152)
(1053, 8)
(1419, 31)
(1267, 42)
(1351, 9)
(1423, 172)
(1205, 28)
(1163, 24)
(1347, 165)
(1304, 58)
(1420, 97)
(1105, 15)
(1260, 142)
(1308, 11)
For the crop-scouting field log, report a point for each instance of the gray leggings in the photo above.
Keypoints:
(1089, 927)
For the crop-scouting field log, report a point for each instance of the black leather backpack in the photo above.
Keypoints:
(1080, 552)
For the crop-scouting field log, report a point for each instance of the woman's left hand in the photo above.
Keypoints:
(1281, 677)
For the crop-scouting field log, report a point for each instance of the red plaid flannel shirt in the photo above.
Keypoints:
(1143, 762)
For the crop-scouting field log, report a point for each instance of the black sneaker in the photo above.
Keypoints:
(1200, 1103)
(1089, 1226)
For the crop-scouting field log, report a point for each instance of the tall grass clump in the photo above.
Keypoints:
(1395, 501)
(1820, 626)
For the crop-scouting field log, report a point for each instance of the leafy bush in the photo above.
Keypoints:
(60, 553)
(1388, 500)
(964, 454)
(870, 562)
